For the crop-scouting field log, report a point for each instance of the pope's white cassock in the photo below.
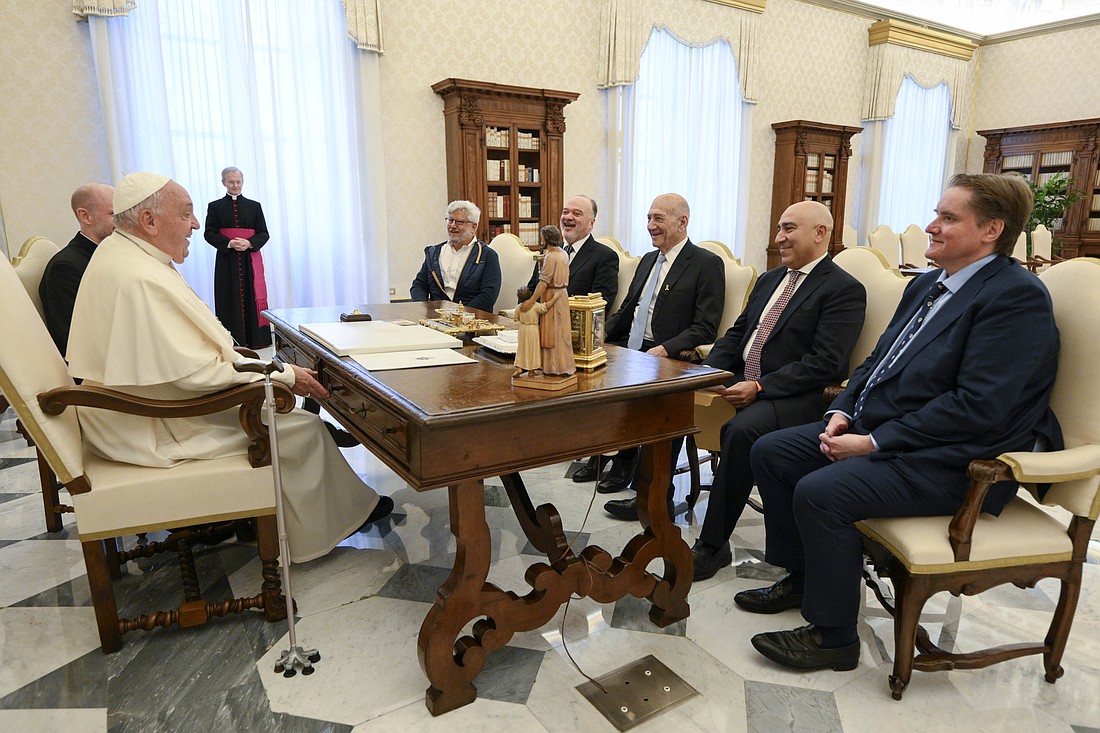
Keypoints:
(139, 328)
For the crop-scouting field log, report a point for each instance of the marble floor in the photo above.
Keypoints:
(362, 606)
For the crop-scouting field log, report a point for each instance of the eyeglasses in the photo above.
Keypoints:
(459, 222)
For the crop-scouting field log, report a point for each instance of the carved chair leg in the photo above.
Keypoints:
(267, 541)
(103, 595)
(51, 502)
(693, 469)
(1058, 634)
(114, 563)
(909, 595)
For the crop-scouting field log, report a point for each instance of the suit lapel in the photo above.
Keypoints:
(805, 290)
(947, 314)
(581, 257)
(471, 264)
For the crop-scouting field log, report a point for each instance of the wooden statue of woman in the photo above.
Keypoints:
(554, 331)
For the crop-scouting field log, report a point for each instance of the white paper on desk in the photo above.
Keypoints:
(345, 338)
(410, 359)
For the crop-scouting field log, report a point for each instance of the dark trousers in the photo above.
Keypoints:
(733, 481)
(633, 454)
(811, 506)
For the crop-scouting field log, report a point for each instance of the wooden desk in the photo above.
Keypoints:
(454, 426)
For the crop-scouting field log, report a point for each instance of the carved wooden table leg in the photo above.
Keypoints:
(451, 668)
(542, 526)
(669, 596)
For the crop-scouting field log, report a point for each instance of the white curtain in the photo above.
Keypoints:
(914, 155)
(680, 129)
(192, 86)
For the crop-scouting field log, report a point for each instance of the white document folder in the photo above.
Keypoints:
(377, 337)
(410, 359)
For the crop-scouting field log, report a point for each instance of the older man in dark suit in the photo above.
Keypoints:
(963, 371)
(673, 305)
(794, 338)
(462, 269)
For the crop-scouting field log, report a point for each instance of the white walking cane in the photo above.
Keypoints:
(294, 658)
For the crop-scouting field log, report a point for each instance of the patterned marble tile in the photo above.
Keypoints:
(37, 641)
(32, 566)
(54, 721)
(82, 683)
(774, 708)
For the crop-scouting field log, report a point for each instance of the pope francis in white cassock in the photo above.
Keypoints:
(139, 328)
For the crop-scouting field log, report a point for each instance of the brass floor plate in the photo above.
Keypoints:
(637, 692)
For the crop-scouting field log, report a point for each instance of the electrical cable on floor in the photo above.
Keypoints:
(565, 611)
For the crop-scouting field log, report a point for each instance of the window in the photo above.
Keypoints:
(198, 85)
(914, 155)
(687, 137)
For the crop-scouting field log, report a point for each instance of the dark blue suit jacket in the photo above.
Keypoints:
(478, 286)
(974, 383)
(810, 344)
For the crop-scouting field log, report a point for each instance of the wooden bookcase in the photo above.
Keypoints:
(811, 164)
(504, 153)
(1042, 151)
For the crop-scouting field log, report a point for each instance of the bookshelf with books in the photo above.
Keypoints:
(1040, 152)
(811, 164)
(504, 153)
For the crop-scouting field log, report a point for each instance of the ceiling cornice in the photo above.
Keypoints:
(900, 33)
(854, 7)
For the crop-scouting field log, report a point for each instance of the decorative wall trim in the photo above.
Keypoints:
(754, 6)
(901, 33)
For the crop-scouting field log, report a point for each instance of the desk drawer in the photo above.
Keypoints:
(291, 354)
(383, 426)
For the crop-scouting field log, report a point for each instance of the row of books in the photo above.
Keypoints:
(527, 174)
(498, 205)
(812, 181)
(827, 161)
(1094, 223)
(497, 138)
(529, 233)
(495, 229)
(1059, 158)
(526, 207)
(498, 170)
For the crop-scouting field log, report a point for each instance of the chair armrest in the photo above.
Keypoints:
(960, 531)
(703, 350)
(250, 397)
(1053, 466)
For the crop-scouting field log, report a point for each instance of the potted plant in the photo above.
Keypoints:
(1052, 198)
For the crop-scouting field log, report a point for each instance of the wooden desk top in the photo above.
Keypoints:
(474, 409)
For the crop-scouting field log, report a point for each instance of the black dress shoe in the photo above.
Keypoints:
(628, 508)
(381, 510)
(707, 560)
(773, 599)
(615, 481)
(586, 473)
(801, 649)
(342, 438)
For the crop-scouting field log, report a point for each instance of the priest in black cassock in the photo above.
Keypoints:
(235, 227)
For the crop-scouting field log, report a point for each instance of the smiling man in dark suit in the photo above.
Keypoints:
(793, 339)
(462, 269)
(593, 266)
(963, 372)
(673, 305)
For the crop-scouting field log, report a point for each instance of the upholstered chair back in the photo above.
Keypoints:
(516, 265)
(739, 281)
(628, 265)
(29, 265)
(884, 287)
(1074, 287)
(29, 365)
(914, 243)
(886, 241)
(1042, 242)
